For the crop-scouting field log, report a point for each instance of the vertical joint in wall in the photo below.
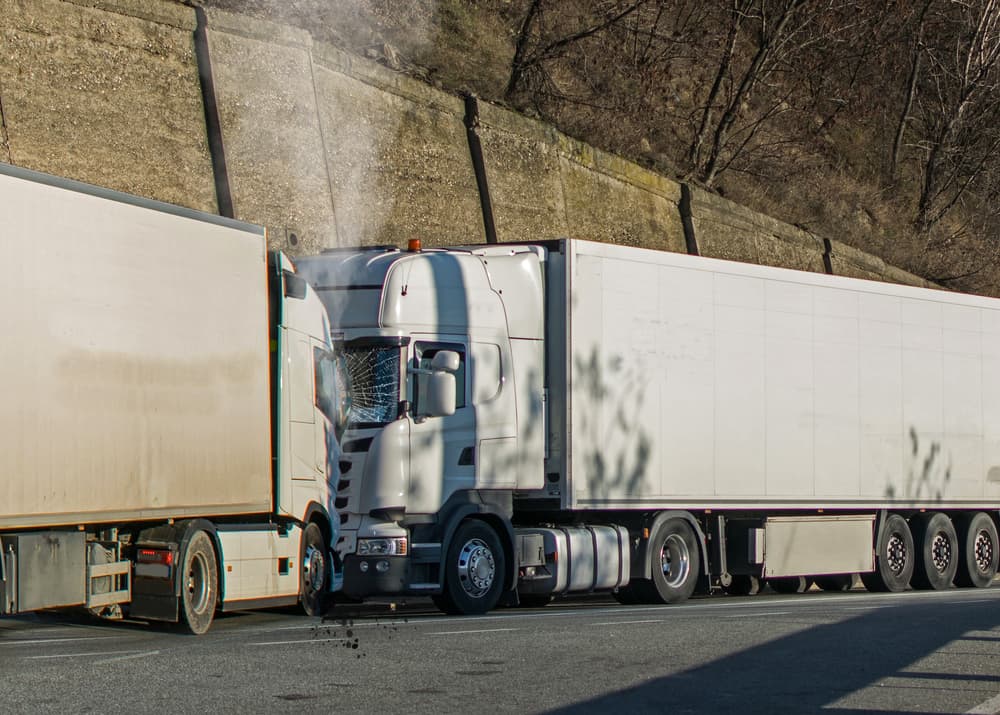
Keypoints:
(471, 121)
(828, 256)
(213, 124)
(4, 135)
(687, 221)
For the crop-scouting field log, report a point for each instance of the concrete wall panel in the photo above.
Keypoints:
(605, 208)
(108, 93)
(270, 129)
(397, 156)
(524, 171)
(730, 231)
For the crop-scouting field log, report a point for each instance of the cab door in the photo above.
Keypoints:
(306, 422)
(442, 449)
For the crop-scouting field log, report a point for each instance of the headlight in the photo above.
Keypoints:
(382, 547)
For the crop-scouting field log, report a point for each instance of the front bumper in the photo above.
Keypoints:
(361, 581)
(413, 575)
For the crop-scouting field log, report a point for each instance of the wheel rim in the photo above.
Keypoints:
(197, 583)
(313, 568)
(941, 553)
(675, 560)
(895, 552)
(476, 568)
(983, 551)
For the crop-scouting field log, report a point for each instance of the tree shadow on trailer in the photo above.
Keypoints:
(623, 472)
(929, 474)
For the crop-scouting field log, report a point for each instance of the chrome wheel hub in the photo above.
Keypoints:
(313, 569)
(196, 582)
(675, 560)
(477, 568)
(895, 552)
(941, 552)
(983, 552)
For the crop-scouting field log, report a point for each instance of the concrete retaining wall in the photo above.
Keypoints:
(329, 149)
(107, 92)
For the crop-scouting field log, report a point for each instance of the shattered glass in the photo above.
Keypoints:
(374, 379)
(333, 395)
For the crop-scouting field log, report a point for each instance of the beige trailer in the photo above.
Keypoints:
(143, 410)
(137, 385)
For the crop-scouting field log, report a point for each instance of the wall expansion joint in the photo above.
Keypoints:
(687, 220)
(4, 136)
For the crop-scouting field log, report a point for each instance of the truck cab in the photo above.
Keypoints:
(445, 351)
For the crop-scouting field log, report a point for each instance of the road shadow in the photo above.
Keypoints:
(811, 670)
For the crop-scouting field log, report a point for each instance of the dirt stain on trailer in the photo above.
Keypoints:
(99, 381)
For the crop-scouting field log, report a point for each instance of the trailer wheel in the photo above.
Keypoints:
(841, 582)
(979, 553)
(473, 571)
(790, 584)
(199, 584)
(936, 553)
(894, 558)
(314, 560)
(675, 563)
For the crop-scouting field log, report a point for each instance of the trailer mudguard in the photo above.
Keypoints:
(641, 567)
(158, 599)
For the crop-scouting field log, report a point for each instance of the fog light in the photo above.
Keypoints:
(363, 566)
(382, 566)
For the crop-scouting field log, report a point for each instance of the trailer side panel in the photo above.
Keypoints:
(710, 384)
(134, 386)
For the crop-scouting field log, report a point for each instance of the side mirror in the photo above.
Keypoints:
(440, 395)
(446, 360)
(441, 390)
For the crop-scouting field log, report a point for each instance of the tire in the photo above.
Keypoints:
(841, 582)
(744, 585)
(894, 558)
(199, 584)
(314, 560)
(937, 553)
(474, 571)
(790, 584)
(675, 564)
(978, 551)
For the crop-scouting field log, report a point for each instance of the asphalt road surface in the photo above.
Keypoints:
(930, 652)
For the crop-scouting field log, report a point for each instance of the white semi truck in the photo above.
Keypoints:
(170, 405)
(567, 416)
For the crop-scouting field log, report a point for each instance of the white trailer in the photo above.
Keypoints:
(166, 449)
(569, 416)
